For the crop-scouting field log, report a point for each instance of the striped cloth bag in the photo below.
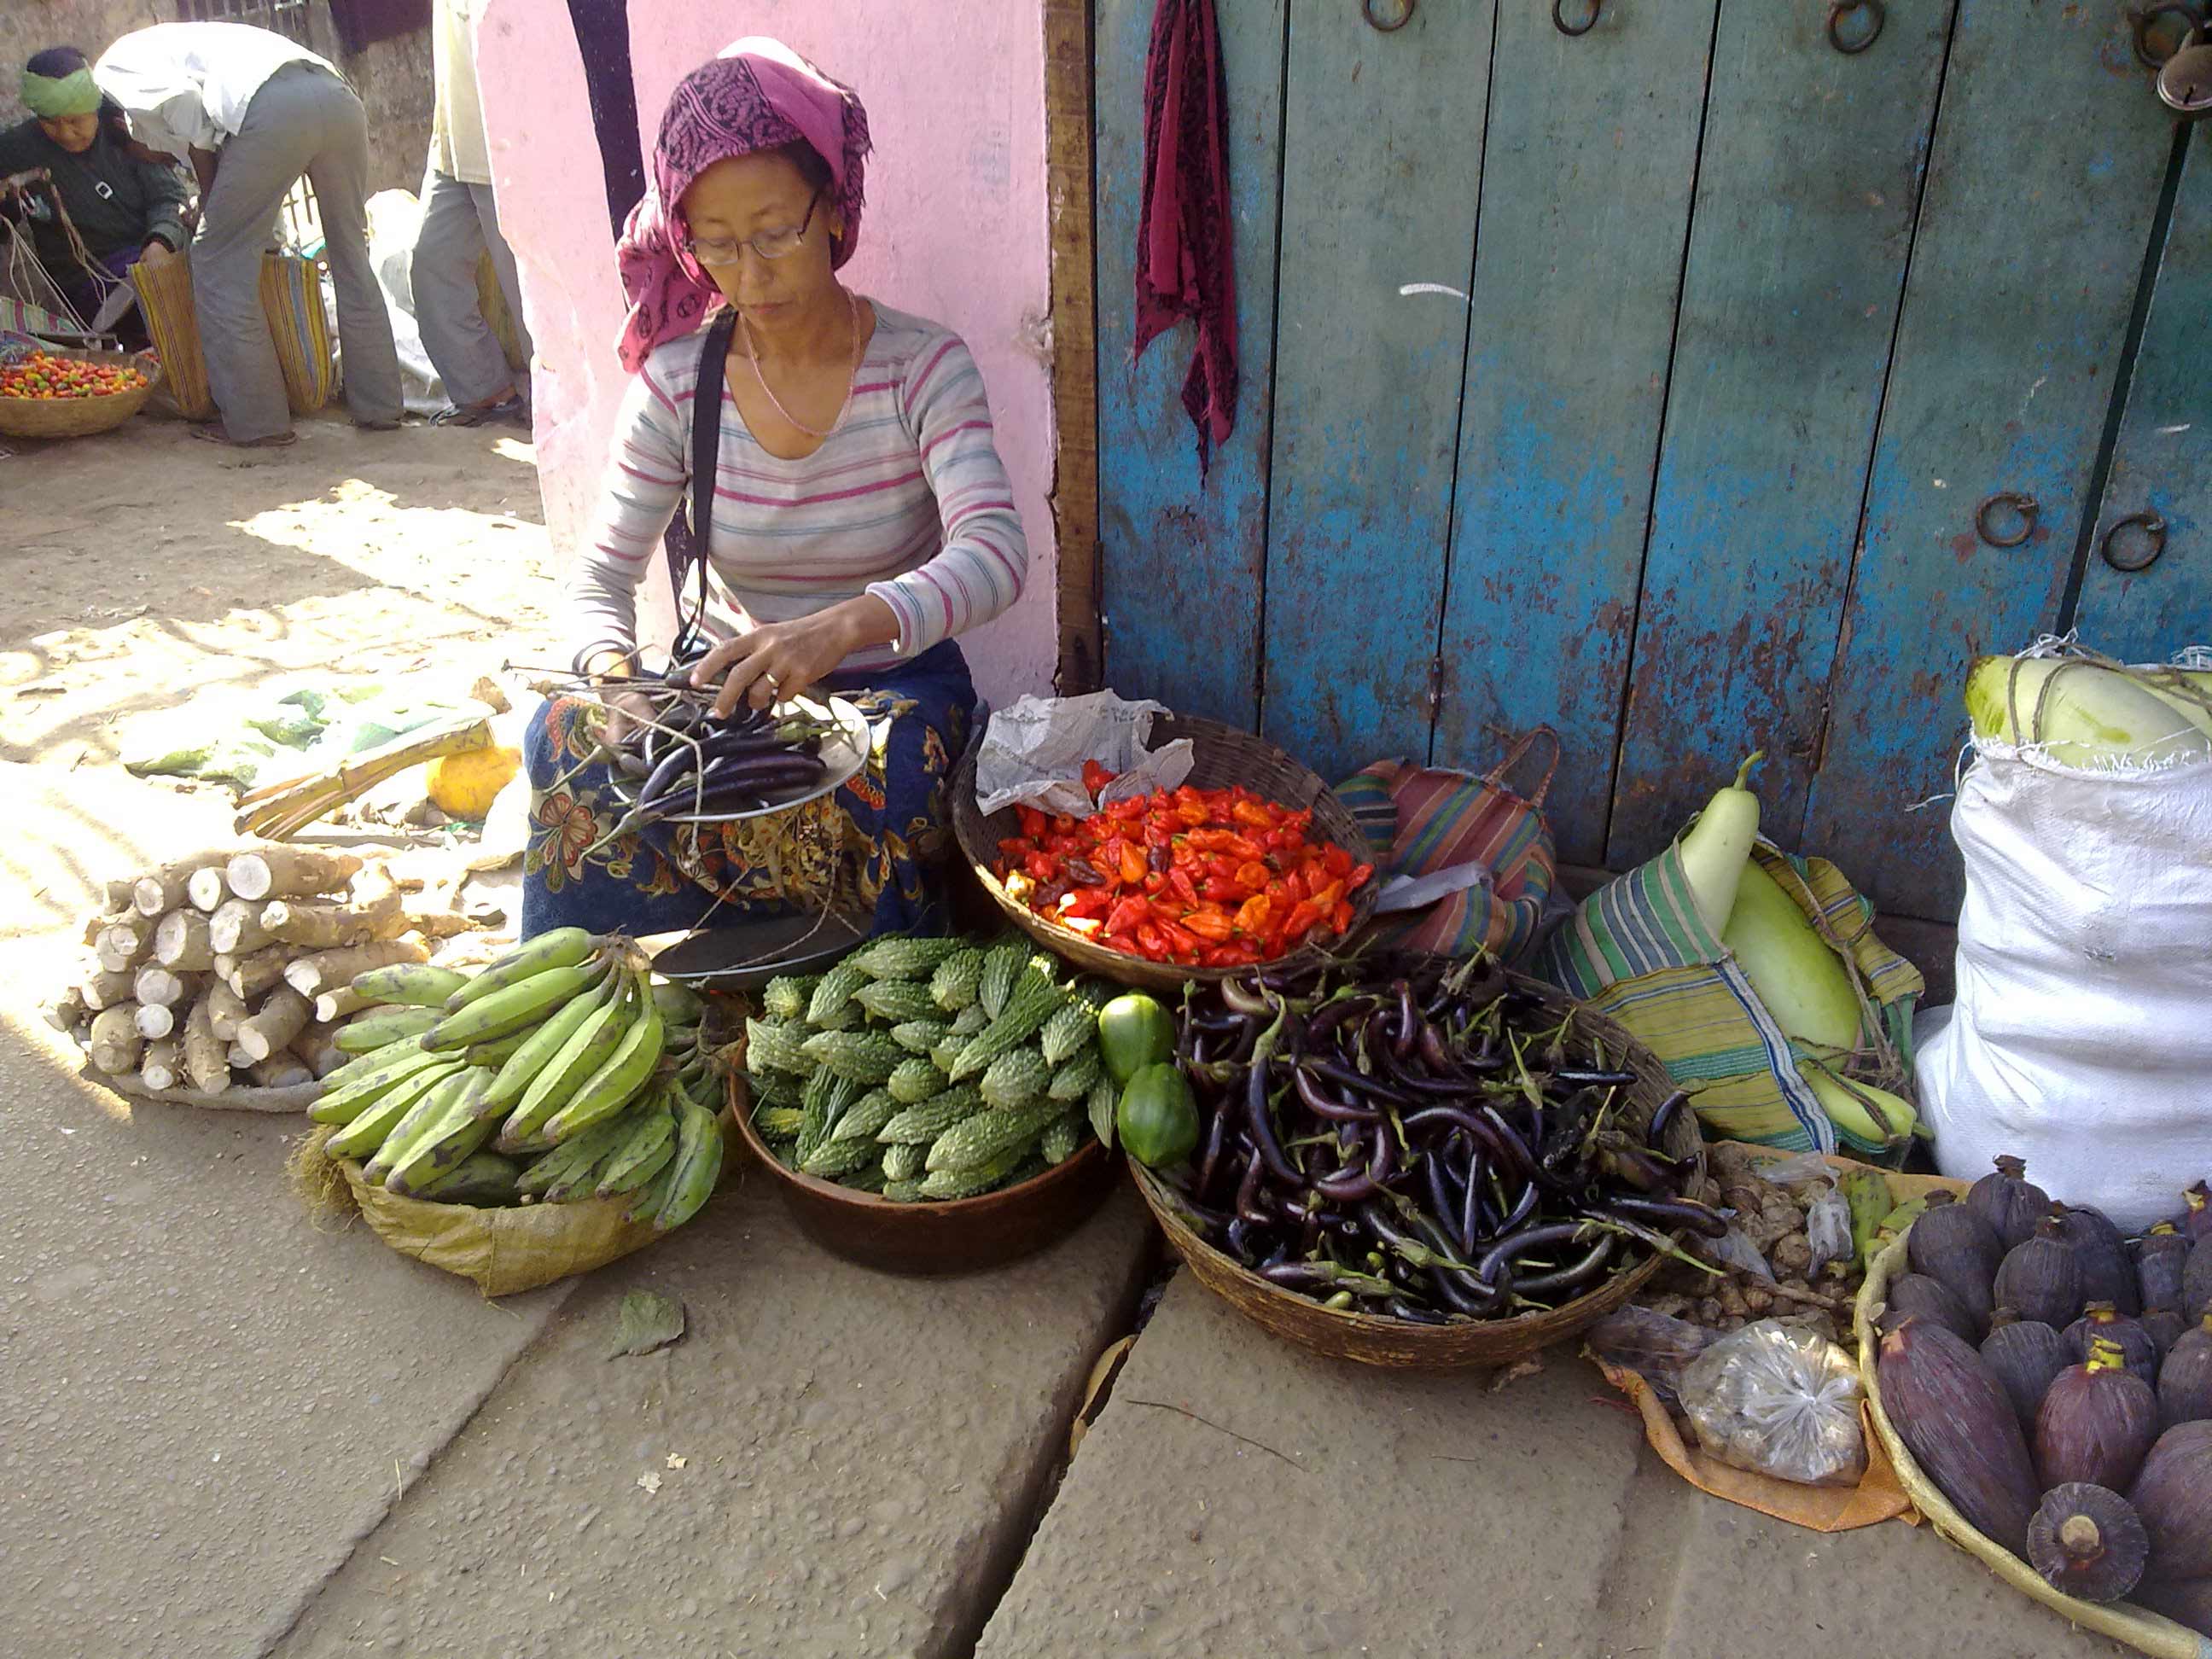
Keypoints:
(1638, 949)
(291, 299)
(1424, 819)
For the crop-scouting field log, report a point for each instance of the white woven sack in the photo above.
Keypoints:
(2083, 1038)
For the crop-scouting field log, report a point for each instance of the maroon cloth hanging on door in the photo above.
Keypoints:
(1185, 237)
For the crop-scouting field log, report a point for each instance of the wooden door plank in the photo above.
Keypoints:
(1069, 171)
(1586, 186)
(1182, 563)
(2162, 462)
(1806, 189)
(2049, 156)
(1382, 137)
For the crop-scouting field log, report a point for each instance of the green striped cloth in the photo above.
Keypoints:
(1638, 949)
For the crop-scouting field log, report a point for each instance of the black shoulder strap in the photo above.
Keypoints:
(688, 532)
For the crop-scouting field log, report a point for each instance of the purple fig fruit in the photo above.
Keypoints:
(2010, 1203)
(2040, 1279)
(1955, 1419)
(2087, 1541)
(2097, 1422)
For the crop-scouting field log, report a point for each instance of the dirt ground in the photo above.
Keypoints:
(142, 567)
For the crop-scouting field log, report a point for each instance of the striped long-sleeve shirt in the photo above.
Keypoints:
(907, 499)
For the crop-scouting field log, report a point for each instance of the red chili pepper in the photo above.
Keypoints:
(1150, 944)
(1302, 918)
(1095, 777)
(1126, 812)
(1014, 847)
(1156, 883)
(1338, 861)
(1252, 916)
(1090, 903)
(1033, 822)
(1134, 866)
(1254, 875)
(1359, 876)
(1041, 867)
(1127, 916)
(1342, 918)
(1180, 939)
(1209, 924)
(1217, 890)
(1250, 812)
(1327, 899)
(1185, 888)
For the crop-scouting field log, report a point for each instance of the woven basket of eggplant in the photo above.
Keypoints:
(2043, 1386)
(1420, 1163)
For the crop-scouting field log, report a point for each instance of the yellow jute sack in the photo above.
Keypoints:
(504, 1250)
(291, 299)
(2147, 1631)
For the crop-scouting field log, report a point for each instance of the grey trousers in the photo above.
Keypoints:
(460, 224)
(303, 120)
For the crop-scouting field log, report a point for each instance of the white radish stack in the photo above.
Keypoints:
(231, 968)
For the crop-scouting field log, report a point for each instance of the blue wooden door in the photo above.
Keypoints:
(1806, 183)
(1591, 153)
(2146, 573)
(1765, 298)
(2042, 195)
(1367, 385)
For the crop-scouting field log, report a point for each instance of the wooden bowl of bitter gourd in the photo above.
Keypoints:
(884, 989)
(953, 1235)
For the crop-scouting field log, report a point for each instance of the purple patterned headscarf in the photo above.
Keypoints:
(757, 94)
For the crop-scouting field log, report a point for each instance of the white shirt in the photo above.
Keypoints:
(457, 124)
(185, 86)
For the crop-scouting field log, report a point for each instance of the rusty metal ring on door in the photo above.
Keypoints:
(1877, 15)
(2022, 504)
(1572, 30)
(2153, 528)
(1398, 13)
(2141, 19)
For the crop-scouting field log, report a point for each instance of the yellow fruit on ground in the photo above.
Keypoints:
(464, 786)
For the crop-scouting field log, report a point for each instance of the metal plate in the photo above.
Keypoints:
(844, 755)
(748, 952)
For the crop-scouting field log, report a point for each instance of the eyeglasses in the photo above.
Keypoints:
(769, 244)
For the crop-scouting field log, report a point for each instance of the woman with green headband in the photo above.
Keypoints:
(123, 206)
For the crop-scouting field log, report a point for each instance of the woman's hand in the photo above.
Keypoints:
(780, 660)
(625, 710)
(154, 253)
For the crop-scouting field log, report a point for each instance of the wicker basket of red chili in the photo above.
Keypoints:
(1252, 861)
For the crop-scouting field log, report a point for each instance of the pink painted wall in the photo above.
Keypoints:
(957, 226)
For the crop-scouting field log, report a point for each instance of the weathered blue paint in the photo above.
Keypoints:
(1382, 133)
(2024, 275)
(2163, 461)
(1182, 563)
(1796, 263)
(1585, 201)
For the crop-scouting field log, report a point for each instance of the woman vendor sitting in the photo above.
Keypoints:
(861, 519)
(124, 208)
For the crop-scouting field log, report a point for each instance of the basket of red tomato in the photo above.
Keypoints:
(48, 393)
(1251, 861)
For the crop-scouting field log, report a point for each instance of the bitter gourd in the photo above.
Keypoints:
(952, 987)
